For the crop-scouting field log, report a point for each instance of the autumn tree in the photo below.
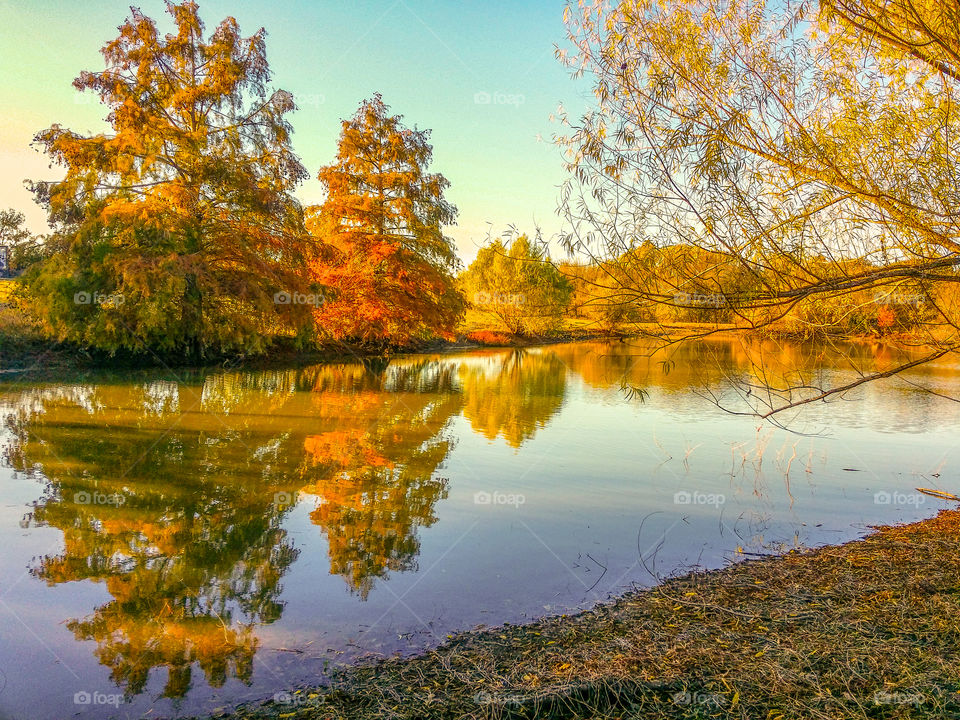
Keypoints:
(515, 282)
(385, 264)
(182, 212)
(806, 151)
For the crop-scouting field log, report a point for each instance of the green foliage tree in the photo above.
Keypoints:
(182, 214)
(516, 283)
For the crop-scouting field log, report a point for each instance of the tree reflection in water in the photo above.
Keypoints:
(173, 494)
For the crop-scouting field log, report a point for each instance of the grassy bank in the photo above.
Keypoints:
(24, 350)
(869, 629)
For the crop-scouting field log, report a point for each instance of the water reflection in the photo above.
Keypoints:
(513, 394)
(174, 495)
(372, 463)
(178, 524)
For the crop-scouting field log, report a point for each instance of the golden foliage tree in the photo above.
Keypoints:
(182, 212)
(516, 283)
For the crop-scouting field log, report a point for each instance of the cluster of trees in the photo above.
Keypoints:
(178, 232)
(760, 164)
(184, 211)
(686, 284)
(514, 282)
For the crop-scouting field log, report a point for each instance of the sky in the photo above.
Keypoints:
(481, 74)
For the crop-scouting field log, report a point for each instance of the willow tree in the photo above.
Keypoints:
(182, 212)
(807, 150)
(384, 261)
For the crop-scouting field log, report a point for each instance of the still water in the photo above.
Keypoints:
(175, 543)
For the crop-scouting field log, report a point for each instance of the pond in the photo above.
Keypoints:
(179, 542)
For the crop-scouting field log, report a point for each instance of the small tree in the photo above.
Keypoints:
(385, 263)
(24, 249)
(182, 214)
(518, 285)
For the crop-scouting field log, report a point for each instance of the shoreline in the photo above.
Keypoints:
(866, 629)
(55, 361)
(60, 361)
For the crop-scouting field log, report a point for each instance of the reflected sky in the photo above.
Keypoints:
(184, 543)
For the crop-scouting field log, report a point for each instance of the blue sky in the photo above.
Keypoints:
(481, 75)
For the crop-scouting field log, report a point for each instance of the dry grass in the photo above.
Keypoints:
(869, 629)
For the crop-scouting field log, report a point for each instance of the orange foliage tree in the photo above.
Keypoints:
(387, 267)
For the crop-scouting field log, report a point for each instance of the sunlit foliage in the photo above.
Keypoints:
(385, 263)
(182, 212)
(803, 154)
(515, 283)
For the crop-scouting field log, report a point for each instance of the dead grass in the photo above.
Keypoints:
(869, 629)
